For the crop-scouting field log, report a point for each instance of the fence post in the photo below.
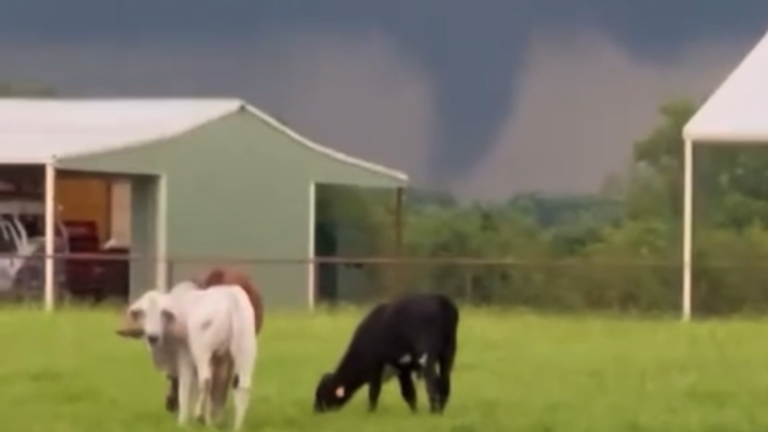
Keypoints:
(468, 283)
(169, 264)
(49, 270)
(686, 293)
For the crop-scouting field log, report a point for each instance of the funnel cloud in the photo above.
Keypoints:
(582, 102)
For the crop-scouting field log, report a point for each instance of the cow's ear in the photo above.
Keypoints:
(340, 392)
(169, 317)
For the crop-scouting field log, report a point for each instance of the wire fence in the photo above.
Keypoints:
(566, 285)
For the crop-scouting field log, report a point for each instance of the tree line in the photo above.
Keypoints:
(616, 250)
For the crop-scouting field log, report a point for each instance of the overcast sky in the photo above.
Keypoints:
(485, 97)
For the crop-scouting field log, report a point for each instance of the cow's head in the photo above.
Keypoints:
(331, 394)
(152, 317)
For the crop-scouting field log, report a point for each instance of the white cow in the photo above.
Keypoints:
(189, 327)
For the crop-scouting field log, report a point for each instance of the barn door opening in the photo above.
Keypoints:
(351, 226)
(326, 245)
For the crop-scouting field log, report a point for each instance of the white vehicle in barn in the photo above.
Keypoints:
(22, 246)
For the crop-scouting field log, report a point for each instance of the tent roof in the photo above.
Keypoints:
(738, 110)
(37, 131)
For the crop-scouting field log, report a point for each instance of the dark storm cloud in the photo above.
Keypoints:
(470, 56)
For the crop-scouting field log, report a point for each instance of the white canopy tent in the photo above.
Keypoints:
(736, 113)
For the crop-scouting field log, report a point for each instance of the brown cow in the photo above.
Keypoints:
(222, 366)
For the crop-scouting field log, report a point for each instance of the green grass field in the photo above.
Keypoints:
(69, 373)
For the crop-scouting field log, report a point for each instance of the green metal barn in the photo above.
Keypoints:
(209, 178)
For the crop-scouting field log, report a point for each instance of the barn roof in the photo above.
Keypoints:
(37, 131)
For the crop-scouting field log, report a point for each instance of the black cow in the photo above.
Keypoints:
(412, 334)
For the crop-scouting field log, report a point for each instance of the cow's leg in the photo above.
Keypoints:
(407, 388)
(222, 377)
(210, 404)
(244, 352)
(447, 357)
(187, 388)
(202, 361)
(172, 397)
(431, 381)
(444, 382)
(194, 392)
(241, 396)
(445, 389)
(374, 389)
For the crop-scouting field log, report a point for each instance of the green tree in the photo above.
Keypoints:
(655, 178)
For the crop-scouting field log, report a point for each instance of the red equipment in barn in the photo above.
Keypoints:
(90, 276)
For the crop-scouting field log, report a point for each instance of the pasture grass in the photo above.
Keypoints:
(67, 372)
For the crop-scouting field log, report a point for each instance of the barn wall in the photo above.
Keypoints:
(237, 187)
